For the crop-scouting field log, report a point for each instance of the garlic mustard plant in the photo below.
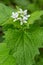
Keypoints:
(21, 16)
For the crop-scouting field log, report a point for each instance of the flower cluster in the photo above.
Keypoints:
(21, 16)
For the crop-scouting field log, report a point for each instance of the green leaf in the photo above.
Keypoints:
(24, 44)
(5, 13)
(35, 16)
(32, 7)
(5, 58)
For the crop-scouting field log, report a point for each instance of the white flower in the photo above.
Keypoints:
(21, 16)
(23, 20)
(22, 12)
(26, 17)
(14, 15)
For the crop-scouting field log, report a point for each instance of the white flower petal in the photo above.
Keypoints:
(25, 18)
(25, 12)
(14, 15)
